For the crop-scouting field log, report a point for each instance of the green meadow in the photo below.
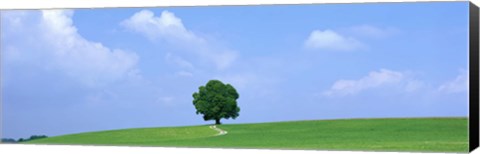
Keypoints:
(389, 134)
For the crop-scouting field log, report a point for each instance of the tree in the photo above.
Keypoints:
(8, 140)
(216, 100)
(33, 137)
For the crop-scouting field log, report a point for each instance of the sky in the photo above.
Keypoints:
(71, 71)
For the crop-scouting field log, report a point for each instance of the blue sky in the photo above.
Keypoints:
(70, 71)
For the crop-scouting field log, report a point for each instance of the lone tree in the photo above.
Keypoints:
(216, 101)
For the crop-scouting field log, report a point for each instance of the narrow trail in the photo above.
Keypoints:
(220, 131)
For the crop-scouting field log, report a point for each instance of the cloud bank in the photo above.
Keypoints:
(170, 29)
(396, 79)
(372, 80)
(331, 40)
(457, 85)
(52, 37)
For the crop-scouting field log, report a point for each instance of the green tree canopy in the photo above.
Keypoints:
(216, 100)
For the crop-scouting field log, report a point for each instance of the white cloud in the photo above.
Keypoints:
(167, 27)
(53, 41)
(414, 85)
(459, 84)
(372, 80)
(394, 80)
(170, 29)
(331, 40)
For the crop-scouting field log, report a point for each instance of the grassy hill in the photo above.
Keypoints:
(395, 134)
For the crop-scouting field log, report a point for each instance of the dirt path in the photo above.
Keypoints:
(220, 131)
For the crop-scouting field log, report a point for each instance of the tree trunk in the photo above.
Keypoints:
(217, 122)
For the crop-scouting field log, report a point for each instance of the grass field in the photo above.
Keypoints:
(397, 134)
